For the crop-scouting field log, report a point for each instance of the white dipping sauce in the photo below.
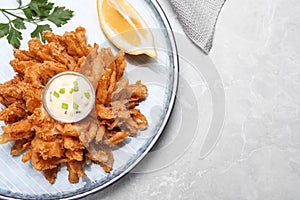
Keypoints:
(69, 97)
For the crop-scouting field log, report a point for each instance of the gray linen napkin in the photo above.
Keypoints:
(198, 18)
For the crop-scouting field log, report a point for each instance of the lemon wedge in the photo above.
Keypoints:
(125, 28)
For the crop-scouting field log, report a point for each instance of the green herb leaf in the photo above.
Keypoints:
(39, 30)
(18, 23)
(28, 13)
(65, 106)
(71, 90)
(40, 8)
(60, 16)
(14, 37)
(4, 30)
(35, 12)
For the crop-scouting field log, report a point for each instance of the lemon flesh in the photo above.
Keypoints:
(125, 28)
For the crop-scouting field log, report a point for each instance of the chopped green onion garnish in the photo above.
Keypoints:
(75, 105)
(87, 95)
(71, 90)
(65, 106)
(56, 94)
(62, 90)
(76, 88)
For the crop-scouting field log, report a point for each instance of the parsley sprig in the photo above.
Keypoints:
(35, 12)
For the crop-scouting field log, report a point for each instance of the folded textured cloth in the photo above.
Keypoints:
(198, 18)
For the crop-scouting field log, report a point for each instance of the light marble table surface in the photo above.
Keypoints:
(257, 156)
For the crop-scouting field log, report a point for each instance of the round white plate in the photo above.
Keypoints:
(22, 181)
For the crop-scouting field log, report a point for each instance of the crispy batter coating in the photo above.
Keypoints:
(50, 174)
(75, 169)
(101, 154)
(13, 113)
(48, 143)
(20, 146)
(116, 137)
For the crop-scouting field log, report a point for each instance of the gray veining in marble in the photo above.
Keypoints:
(256, 52)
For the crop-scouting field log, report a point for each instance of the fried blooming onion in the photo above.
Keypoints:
(48, 143)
